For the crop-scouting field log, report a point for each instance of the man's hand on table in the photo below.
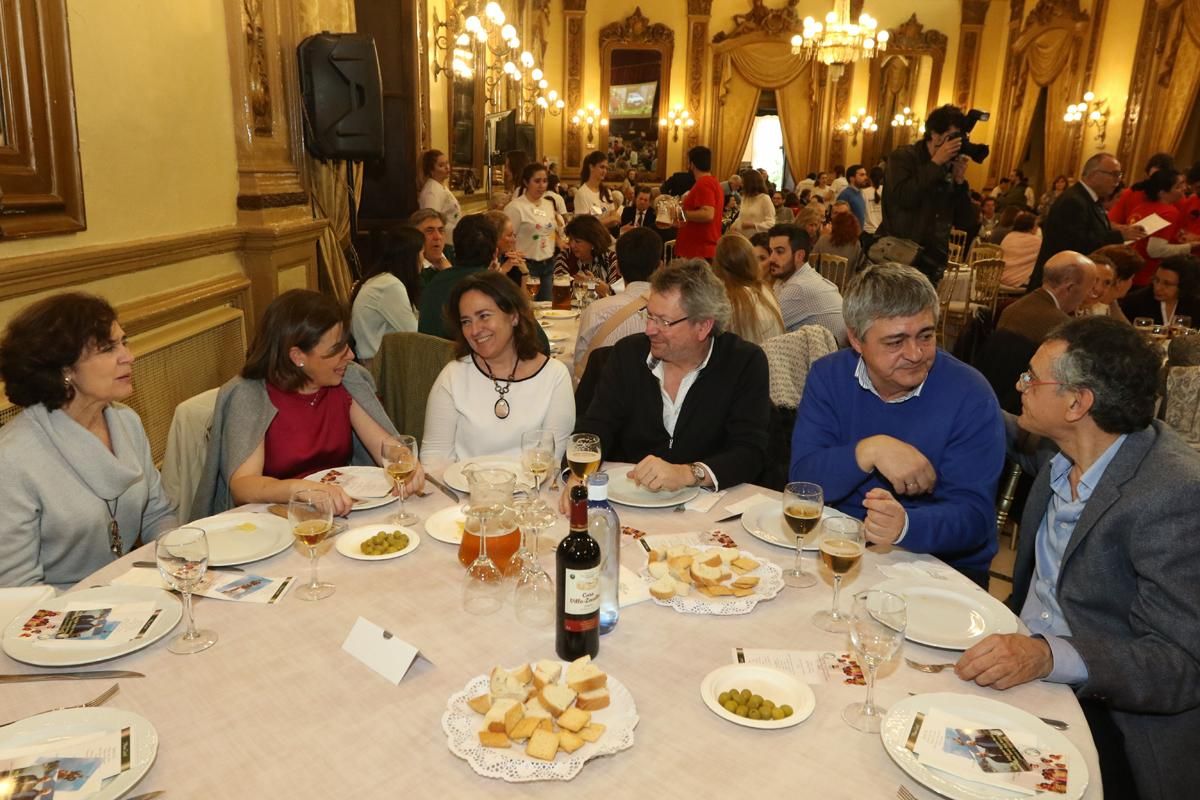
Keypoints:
(1006, 660)
(904, 466)
(885, 517)
(657, 475)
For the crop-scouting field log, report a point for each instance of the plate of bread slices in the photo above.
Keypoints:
(711, 580)
(540, 721)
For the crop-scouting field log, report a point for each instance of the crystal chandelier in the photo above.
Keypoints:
(839, 41)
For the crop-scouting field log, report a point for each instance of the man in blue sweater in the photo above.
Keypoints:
(900, 434)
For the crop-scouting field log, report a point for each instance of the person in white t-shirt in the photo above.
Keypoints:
(535, 224)
(593, 198)
(435, 169)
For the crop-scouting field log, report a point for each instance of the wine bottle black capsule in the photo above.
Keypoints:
(577, 586)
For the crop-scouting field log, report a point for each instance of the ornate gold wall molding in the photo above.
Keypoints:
(699, 14)
(262, 38)
(574, 46)
(165, 308)
(1139, 82)
(974, 13)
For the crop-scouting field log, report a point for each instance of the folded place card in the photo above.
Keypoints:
(741, 506)
(383, 652)
(704, 501)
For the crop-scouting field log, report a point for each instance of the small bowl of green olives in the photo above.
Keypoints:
(377, 542)
(757, 697)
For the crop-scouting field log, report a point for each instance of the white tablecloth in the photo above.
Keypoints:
(276, 709)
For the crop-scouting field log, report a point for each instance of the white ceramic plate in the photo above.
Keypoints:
(444, 525)
(348, 543)
(25, 650)
(557, 337)
(240, 538)
(764, 521)
(778, 687)
(624, 491)
(143, 739)
(455, 479)
(950, 614)
(770, 582)
(898, 720)
(560, 313)
(371, 473)
(461, 726)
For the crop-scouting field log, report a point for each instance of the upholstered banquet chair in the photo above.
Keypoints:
(187, 445)
(404, 369)
(789, 358)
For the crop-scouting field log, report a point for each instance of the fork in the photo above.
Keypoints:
(930, 668)
(903, 793)
(99, 700)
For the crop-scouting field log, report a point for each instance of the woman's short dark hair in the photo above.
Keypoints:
(1126, 261)
(429, 160)
(400, 254)
(44, 340)
(587, 228)
(1024, 222)
(1187, 267)
(1162, 180)
(297, 318)
(475, 241)
(1119, 367)
(508, 297)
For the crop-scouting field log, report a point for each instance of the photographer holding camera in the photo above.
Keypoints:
(927, 190)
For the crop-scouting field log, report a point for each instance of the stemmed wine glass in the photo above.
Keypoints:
(537, 455)
(400, 460)
(311, 513)
(483, 587)
(533, 595)
(583, 454)
(877, 625)
(842, 546)
(802, 506)
(182, 556)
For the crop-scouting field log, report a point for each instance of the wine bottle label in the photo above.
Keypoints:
(581, 595)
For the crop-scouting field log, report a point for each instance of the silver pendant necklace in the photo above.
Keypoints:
(501, 408)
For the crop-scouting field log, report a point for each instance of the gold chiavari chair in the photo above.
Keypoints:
(835, 268)
(954, 298)
(985, 286)
(981, 250)
(958, 245)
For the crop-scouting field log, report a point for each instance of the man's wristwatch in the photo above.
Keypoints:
(698, 473)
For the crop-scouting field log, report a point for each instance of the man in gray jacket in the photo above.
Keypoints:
(1108, 573)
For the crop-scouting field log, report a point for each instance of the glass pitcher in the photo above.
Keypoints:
(490, 509)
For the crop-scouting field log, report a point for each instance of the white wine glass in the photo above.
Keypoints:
(484, 586)
(182, 556)
(877, 624)
(583, 455)
(310, 511)
(399, 455)
(802, 506)
(842, 547)
(537, 455)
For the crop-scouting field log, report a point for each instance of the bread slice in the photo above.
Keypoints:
(682, 589)
(594, 700)
(575, 719)
(493, 739)
(742, 591)
(703, 575)
(480, 703)
(583, 675)
(556, 698)
(535, 709)
(542, 745)
(502, 684)
(569, 742)
(713, 560)
(522, 673)
(746, 582)
(503, 715)
(546, 671)
(663, 588)
(592, 732)
(656, 555)
(744, 564)
(658, 569)
(729, 554)
(524, 729)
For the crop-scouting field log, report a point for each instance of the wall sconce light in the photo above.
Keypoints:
(549, 103)
(1090, 113)
(590, 117)
(903, 119)
(860, 122)
(678, 117)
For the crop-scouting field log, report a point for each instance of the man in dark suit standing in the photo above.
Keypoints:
(687, 402)
(640, 214)
(1107, 576)
(1077, 221)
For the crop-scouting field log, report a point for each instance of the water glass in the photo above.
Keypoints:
(182, 556)
(877, 624)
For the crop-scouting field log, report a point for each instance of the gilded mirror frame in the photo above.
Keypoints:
(909, 40)
(636, 32)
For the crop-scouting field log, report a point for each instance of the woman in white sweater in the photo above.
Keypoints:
(387, 298)
(501, 385)
(435, 169)
(757, 211)
(78, 487)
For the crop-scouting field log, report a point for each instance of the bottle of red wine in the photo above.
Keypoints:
(577, 584)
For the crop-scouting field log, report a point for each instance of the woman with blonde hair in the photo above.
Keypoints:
(756, 315)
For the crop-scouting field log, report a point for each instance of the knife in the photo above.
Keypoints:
(152, 565)
(446, 490)
(70, 676)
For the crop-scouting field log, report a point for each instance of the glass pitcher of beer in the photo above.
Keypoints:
(490, 513)
(561, 296)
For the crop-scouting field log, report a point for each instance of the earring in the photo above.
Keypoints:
(66, 380)
(301, 365)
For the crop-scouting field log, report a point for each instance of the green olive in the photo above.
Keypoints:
(777, 713)
(730, 706)
(787, 710)
(742, 711)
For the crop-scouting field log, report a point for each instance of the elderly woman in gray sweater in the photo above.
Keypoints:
(78, 487)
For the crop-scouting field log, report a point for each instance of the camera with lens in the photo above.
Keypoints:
(972, 150)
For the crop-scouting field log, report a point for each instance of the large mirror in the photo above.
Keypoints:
(466, 132)
(635, 84)
(907, 75)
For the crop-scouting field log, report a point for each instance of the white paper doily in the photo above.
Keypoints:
(770, 582)
(461, 725)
